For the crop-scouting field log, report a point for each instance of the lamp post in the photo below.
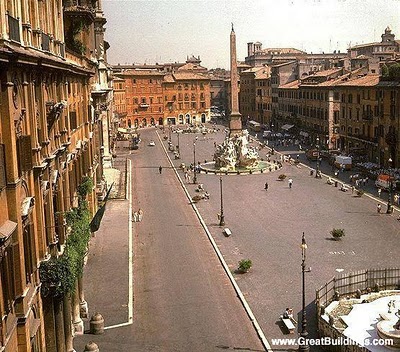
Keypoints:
(304, 347)
(194, 161)
(221, 218)
(177, 132)
(389, 209)
(317, 168)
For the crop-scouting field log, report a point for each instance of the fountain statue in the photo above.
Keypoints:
(235, 153)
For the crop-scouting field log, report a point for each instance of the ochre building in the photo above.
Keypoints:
(54, 101)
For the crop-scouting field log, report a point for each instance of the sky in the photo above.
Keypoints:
(155, 31)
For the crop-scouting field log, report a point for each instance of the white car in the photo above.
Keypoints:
(152, 143)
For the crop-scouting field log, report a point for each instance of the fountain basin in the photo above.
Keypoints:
(261, 167)
(386, 330)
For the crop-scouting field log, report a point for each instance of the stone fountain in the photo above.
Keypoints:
(234, 154)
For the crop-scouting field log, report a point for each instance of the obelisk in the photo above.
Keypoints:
(235, 119)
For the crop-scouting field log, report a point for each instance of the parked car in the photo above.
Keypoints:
(152, 144)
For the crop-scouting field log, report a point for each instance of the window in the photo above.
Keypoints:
(7, 278)
(28, 252)
(350, 98)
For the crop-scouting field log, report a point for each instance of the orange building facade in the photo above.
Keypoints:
(152, 97)
(143, 98)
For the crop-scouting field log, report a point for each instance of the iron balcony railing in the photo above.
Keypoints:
(13, 25)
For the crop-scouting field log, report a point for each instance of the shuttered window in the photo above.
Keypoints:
(24, 152)
(73, 120)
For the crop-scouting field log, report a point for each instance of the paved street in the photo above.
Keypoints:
(183, 300)
(178, 279)
(267, 227)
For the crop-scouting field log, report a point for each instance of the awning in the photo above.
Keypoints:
(287, 127)
(7, 229)
(122, 130)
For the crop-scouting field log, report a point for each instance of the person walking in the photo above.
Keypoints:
(140, 215)
(379, 208)
(379, 192)
(266, 186)
(160, 169)
(290, 182)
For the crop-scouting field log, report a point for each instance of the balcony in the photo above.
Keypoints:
(13, 24)
(79, 9)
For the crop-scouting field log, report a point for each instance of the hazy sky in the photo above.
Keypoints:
(150, 31)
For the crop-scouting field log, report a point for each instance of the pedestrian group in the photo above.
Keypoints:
(138, 216)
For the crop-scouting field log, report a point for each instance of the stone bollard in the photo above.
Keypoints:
(91, 347)
(97, 324)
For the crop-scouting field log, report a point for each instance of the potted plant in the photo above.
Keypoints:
(337, 234)
(245, 265)
(281, 177)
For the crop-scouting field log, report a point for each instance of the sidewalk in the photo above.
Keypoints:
(106, 292)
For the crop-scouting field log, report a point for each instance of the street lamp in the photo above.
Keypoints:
(389, 209)
(194, 161)
(317, 174)
(221, 218)
(178, 141)
(304, 347)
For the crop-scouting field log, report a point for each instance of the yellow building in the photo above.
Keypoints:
(50, 143)
(355, 112)
(119, 102)
(187, 98)
(255, 94)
